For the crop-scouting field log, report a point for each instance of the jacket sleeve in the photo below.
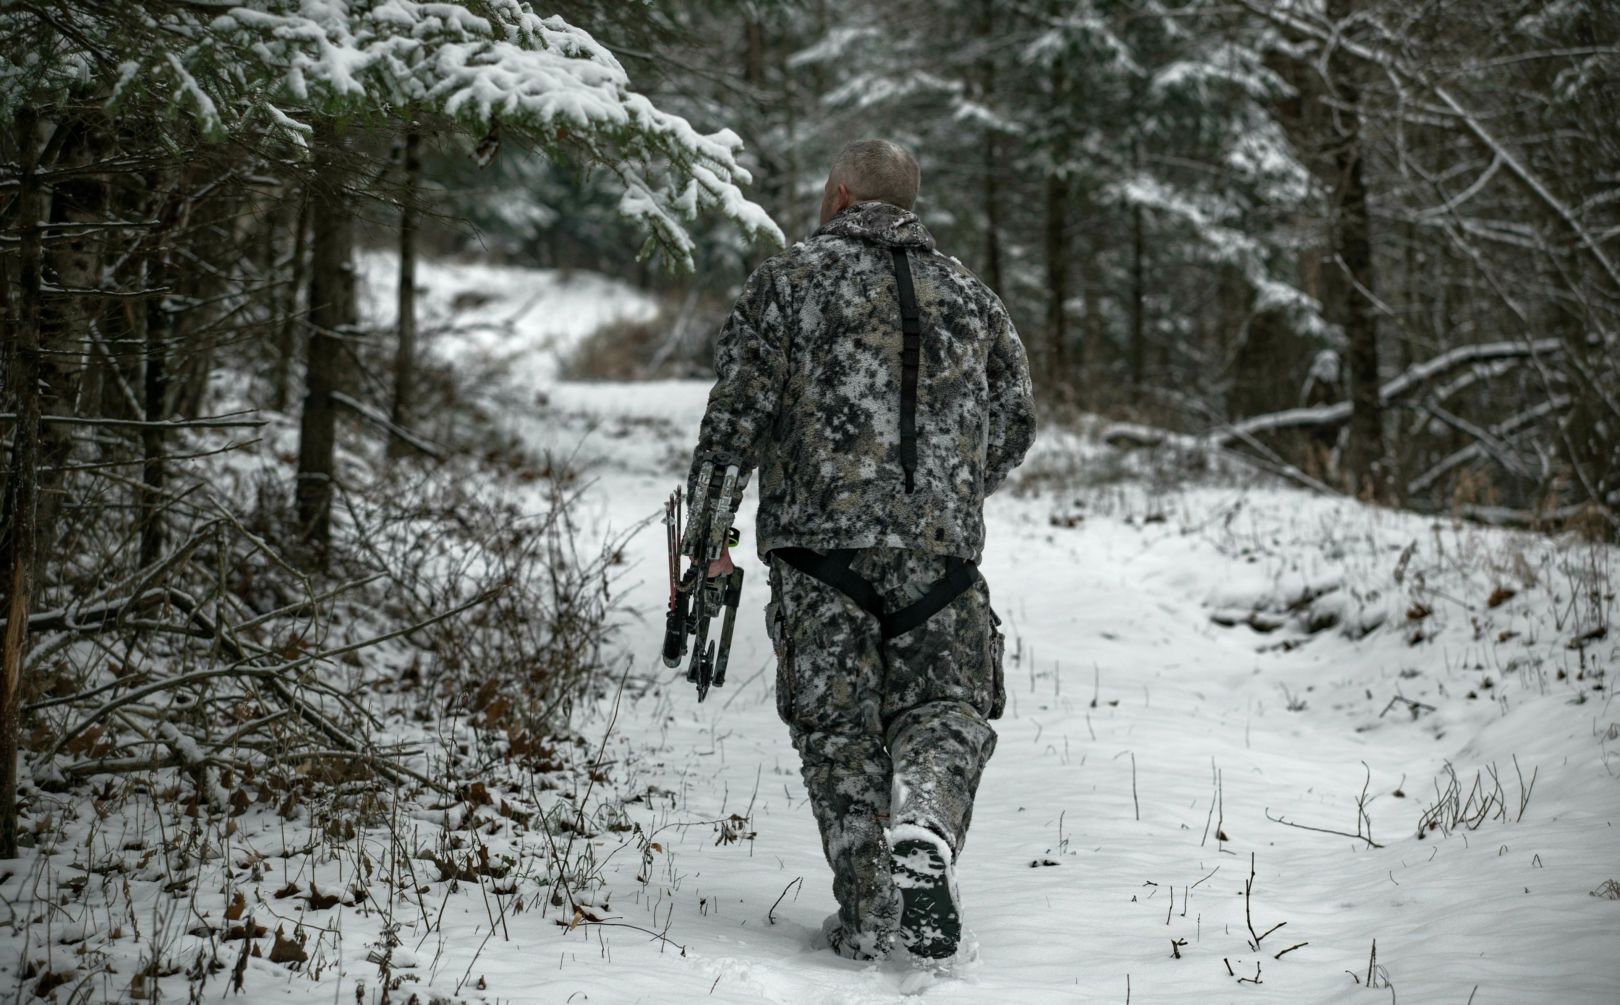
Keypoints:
(750, 362)
(1012, 401)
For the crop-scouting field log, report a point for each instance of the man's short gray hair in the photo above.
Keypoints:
(878, 169)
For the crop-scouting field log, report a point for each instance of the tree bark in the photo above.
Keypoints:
(331, 309)
(1138, 305)
(1057, 273)
(1352, 245)
(74, 263)
(21, 506)
(992, 158)
(287, 333)
(155, 380)
(1055, 228)
(405, 352)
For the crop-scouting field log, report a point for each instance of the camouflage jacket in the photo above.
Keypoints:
(809, 391)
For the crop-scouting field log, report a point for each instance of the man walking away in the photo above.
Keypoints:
(882, 392)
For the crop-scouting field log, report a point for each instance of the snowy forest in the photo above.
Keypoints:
(351, 348)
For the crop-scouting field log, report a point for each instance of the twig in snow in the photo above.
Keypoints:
(1248, 917)
(1321, 830)
(1134, 801)
(1416, 707)
(1524, 793)
(770, 915)
(1215, 800)
(659, 937)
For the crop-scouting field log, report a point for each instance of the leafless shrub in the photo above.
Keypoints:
(1485, 799)
(539, 637)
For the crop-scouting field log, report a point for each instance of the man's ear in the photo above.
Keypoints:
(845, 199)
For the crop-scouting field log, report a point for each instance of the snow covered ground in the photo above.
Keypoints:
(1230, 706)
(1131, 712)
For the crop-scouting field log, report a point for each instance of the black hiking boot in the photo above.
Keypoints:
(930, 921)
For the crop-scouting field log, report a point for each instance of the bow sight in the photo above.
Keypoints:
(695, 598)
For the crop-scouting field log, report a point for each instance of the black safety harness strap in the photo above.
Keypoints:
(910, 362)
(832, 568)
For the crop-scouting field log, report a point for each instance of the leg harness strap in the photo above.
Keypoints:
(832, 568)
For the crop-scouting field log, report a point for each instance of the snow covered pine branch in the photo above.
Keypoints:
(488, 64)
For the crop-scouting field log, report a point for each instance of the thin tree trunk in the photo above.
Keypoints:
(330, 310)
(287, 333)
(405, 353)
(1093, 331)
(64, 318)
(1138, 305)
(155, 382)
(1057, 274)
(1352, 245)
(21, 507)
(1055, 227)
(754, 55)
(992, 159)
(992, 214)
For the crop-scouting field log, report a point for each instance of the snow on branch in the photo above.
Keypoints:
(1129, 435)
(482, 62)
(489, 61)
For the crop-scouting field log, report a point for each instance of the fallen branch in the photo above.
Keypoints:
(1321, 830)
(1477, 449)
(1128, 435)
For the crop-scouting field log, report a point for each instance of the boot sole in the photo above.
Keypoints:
(930, 922)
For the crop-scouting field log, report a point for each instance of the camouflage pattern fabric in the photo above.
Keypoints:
(808, 387)
(889, 732)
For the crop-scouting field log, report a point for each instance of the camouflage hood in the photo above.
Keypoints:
(881, 223)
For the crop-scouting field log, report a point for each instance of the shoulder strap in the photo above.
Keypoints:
(910, 361)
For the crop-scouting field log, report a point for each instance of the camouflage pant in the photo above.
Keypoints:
(888, 732)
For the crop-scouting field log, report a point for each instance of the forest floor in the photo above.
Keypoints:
(1353, 672)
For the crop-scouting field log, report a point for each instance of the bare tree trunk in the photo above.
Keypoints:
(1093, 326)
(1055, 228)
(992, 214)
(64, 317)
(331, 309)
(287, 333)
(992, 159)
(754, 55)
(1057, 273)
(1352, 245)
(405, 353)
(155, 380)
(1138, 305)
(21, 507)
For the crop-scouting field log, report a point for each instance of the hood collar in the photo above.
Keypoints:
(879, 222)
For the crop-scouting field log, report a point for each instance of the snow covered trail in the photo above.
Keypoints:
(1148, 756)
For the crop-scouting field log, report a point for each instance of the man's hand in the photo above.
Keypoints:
(721, 566)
